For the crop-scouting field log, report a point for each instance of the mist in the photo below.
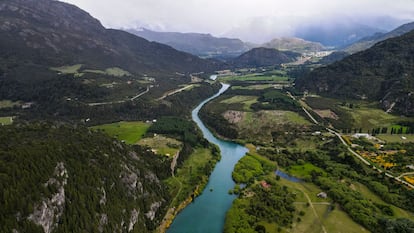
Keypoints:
(254, 21)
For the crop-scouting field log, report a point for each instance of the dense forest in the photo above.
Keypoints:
(262, 200)
(50, 104)
(84, 181)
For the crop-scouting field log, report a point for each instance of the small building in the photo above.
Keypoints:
(316, 133)
(27, 105)
(322, 195)
(264, 184)
(362, 135)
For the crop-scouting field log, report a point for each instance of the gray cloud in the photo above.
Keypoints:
(256, 20)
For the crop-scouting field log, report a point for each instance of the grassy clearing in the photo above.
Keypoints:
(399, 213)
(258, 126)
(130, 132)
(327, 113)
(263, 119)
(334, 220)
(117, 72)
(304, 171)
(252, 87)
(337, 220)
(183, 184)
(396, 138)
(8, 104)
(365, 115)
(255, 77)
(75, 69)
(247, 101)
(162, 145)
(368, 118)
(67, 69)
(6, 120)
(306, 145)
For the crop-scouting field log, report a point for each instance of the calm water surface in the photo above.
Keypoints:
(207, 213)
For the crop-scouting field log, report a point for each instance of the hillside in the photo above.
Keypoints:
(333, 57)
(57, 178)
(204, 45)
(294, 44)
(385, 73)
(259, 57)
(368, 42)
(35, 34)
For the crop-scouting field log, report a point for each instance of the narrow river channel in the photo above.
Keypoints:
(207, 213)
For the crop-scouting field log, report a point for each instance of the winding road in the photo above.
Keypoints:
(366, 162)
(121, 101)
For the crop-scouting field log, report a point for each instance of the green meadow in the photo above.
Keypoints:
(130, 132)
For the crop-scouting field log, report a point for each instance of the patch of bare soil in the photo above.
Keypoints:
(233, 116)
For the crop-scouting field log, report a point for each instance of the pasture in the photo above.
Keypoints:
(130, 132)
(6, 120)
(162, 145)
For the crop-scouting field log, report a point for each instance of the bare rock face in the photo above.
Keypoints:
(48, 212)
(133, 220)
(153, 210)
(102, 222)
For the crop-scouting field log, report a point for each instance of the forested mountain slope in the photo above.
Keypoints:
(69, 179)
(199, 44)
(259, 57)
(384, 73)
(35, 34)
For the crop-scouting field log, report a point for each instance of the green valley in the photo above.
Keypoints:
(102, 130)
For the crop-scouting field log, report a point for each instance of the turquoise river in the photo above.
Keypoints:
(208, 211)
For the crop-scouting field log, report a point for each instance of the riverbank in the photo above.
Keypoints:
(186, 187)
(171, 214)
(207, 212)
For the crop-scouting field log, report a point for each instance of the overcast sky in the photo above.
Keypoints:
(247, 19)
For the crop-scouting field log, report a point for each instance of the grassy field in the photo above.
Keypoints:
(252, 87)
(67, 69)
(337, 220)
(333, 219)
(399, 213)
(8, 104)
(268, 118)
(6, 120)
(247, 101)
(363, 114)
(114, 71)
(75, 69)
(368, 118)
(396, 138)
(304, 171)
(130, 132)
(255, 77)
(162, 145)
(181, 184)
(258, 126)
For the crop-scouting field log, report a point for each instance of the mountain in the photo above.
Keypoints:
(384, 73)
(368, 42)
(38, 34)
(259, 57)
(333, 57)
(293, 44)
(203, 45)
(336, 33)
(60, 178)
